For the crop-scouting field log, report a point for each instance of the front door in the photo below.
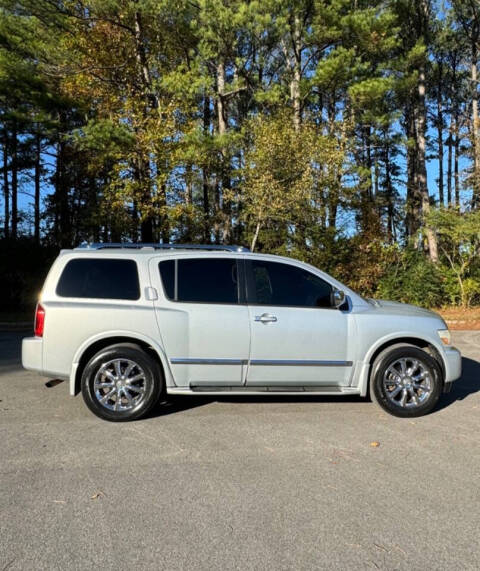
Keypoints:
(203, 324)
(298, 338)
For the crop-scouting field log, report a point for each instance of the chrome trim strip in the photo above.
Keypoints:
(301, 363)
(265, 388)
(285, 362)
(180, 361)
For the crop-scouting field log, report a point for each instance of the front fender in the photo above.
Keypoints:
(390, 339)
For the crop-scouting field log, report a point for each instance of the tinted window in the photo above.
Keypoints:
(167, 272)
(99, 278)
(201, 280)
(282, 284)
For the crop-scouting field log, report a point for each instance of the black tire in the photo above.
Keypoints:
(137, 396)
(387, 389)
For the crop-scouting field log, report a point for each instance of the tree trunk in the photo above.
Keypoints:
(146, 230)
(369, 164)
(297, 72)
(255, 236)
(37, 189)
(475, 128)
(205, 174)
(14, 143)
(141, 57)
(144, 166)
(223, 200)
(456, 176)
(188, 185)
(422, 170)
(449, 164)
(440, 134)
(390, 198)
(221, 111)
(142, 177)
(413, 221)
(161, 201)
(370, 221)
(6, 190)
(63, 226)
(332, 193)
(332, 212)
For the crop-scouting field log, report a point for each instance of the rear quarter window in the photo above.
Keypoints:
(99, 279)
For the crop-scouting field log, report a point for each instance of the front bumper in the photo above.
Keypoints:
(453, 364)
(32, 354)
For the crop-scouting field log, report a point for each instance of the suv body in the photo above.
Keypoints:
(223, 320)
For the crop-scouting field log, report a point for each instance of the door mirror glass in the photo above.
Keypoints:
(338, 297)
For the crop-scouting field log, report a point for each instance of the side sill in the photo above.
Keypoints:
(262, 390)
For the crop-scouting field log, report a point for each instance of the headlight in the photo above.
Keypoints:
(445, 336)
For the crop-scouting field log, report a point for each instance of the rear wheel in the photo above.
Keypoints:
(121, 382)
(406, 381)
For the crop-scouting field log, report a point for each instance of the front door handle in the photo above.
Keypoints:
(266, 318)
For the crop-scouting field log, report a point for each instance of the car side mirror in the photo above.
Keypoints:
(337, 297)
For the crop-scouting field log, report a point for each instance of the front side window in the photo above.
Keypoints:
(200, 280)
(99, 279)
(274, 283)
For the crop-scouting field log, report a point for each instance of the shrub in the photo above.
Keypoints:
(23, 267)
(411, 278)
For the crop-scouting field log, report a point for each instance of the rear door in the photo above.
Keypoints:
(298, 338)
(203, 319)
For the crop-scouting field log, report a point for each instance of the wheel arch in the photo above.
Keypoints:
(93, 346)
(381, 345)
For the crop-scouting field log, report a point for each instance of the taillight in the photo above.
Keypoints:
(39, 321)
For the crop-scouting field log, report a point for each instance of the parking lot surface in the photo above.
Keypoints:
(237, 483)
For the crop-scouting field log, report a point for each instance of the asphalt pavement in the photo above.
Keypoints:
(237, 483)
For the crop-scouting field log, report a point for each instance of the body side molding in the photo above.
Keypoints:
(260, 362)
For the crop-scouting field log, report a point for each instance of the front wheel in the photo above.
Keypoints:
(121, 382)
(406, 381)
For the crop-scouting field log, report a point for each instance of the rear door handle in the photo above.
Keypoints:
(265, 318)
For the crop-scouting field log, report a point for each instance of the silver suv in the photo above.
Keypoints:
(128, 323)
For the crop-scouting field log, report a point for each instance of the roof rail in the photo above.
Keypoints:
(139, 245)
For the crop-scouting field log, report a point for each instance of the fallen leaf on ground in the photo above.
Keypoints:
(375, 444)
(400, 549)
(97, 495)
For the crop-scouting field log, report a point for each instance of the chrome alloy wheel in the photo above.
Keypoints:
(407, 382)
(120, 384)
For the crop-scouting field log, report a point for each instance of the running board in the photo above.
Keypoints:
(265, 389)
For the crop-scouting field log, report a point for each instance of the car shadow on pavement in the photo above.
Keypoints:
(468, 384)
(177, 404)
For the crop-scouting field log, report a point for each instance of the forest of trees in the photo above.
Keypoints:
(342, 132)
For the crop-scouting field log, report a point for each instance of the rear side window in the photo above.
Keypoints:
(100, 279)
(200, 280)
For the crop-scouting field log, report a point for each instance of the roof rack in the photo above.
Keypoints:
(139, 245)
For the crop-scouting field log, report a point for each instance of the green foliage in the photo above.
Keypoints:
(24, 268)
(459, 241)
(293, 127)
(408, 277)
